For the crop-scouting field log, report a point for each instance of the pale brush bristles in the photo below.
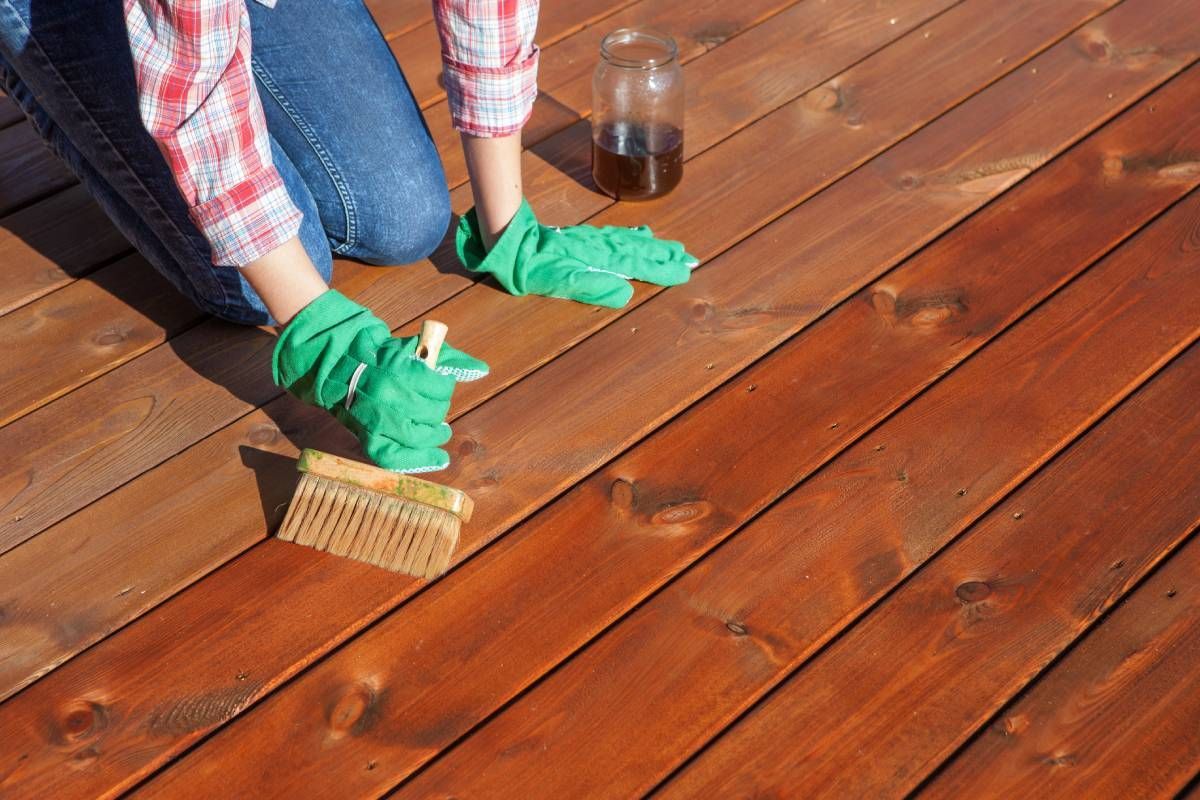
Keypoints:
(387, 531)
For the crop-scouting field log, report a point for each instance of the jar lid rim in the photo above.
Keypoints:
(625, 35)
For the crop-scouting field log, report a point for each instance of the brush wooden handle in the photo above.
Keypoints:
(433, 336)
(377, 479)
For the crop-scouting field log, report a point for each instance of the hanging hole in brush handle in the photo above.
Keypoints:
(433, 335)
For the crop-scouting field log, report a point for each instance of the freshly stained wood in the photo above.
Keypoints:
(28, 170)
(635, 528)
(970, 630)
(52, 493)
(266, 566)
(640, 701)
(661, 430)
(397, 17)
(50, 244)
(1117, 716)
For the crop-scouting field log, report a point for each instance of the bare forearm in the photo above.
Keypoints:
(285, 279)
(495, 169)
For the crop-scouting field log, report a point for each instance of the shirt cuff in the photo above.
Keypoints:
(491, 101)
(250, 220)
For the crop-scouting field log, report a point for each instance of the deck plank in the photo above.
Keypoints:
(86, 329)
(49, 244)
(629, 552)
(640, 701)
(28, 170)
(1117, 716)
(398, 17)
(972, 629)
(252, 568)
(73, 480)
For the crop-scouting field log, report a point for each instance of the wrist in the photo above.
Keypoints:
(285, 279)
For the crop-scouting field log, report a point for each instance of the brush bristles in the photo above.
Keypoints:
(385, 530)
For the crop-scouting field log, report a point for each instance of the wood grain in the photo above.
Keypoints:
(639, 701)
(50, 244)
(276, 636)
(633, 527)
(1117, 716)
(974, 627)
(28, 171)
(53, 492)
(397, 17)
(84, 330)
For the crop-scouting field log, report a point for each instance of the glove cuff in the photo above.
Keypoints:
(509, 251)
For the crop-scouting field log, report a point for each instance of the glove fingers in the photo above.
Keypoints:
(460, 366)
(595, 286)
(390, 455)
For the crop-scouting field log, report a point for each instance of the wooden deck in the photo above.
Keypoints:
(899, 494)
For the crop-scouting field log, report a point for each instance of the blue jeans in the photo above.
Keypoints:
(346, 134)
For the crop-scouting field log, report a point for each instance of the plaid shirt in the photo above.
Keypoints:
(198, 100)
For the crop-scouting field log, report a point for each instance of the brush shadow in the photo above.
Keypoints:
(277, 478)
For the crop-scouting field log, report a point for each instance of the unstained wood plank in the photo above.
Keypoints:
(970, 630)
(253, 566)
(635, 528)
(1117, 716)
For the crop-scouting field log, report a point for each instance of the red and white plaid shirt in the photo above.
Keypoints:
(197, 98)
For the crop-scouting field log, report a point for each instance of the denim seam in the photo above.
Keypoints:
(34, 49)
(322, 154)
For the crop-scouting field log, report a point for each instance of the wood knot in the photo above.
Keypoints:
(703, 311)
(973, 591)
(1113, 166)
(715, 34)
(823, 98)
(83, 719)
(1061, 760)
(623, 494)
(110, 337)
(263, 433)
(909, 182)
(737, 628)
(682, 513)
(353, 711)
(468, 447)
(1095, 47)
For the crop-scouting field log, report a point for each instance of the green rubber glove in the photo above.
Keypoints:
(399, 404)
(584, 263)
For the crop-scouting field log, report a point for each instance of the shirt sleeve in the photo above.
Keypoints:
(489, 63)
(197, 98)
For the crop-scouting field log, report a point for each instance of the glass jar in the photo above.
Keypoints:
(637, 115)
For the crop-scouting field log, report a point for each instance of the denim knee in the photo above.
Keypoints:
(403, 221)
